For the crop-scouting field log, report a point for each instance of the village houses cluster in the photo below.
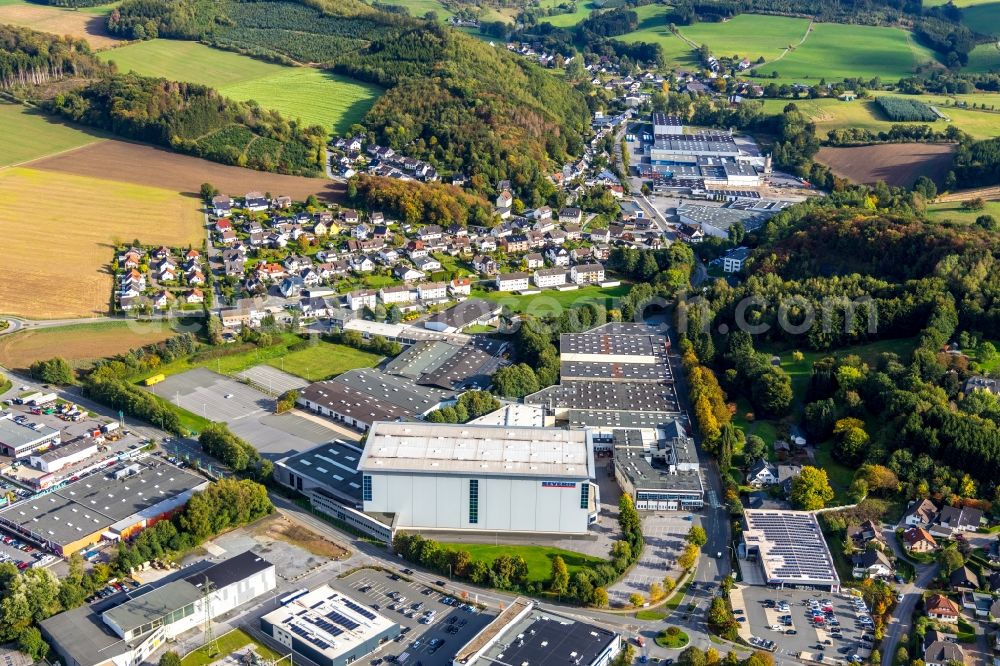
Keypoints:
(159, 279)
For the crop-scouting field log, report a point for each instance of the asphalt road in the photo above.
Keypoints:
(902, 616)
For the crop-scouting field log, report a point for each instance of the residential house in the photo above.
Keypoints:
(580, 255)
(397, 294)
(558, 256)
(268, 271)
(195, 277)
(543, 213)
(963, 578)
(515, 243)
(310, 277)
(786, 474)
(406, 273)
(349, 216)
(227, 236)
(534, 260)
(460, 287)
(865, 534)
(512, 281)
(362, 298)
(872, 563)
(544, 225)
(361, 263)
(486, 244)
(979, 383)
(194, 296)
(977, 602)
(161, 300)
(416, 249)
(995, 618)
(920, 513)
(431, 232)
(587, 273)
(599, 235)
(940, 650)
(573, 231)
(960, 519)
(942, 609)
(919, 540)
(432, 291)
(222, 205)
(255, 202)
(732, 261)
(361, 231)
(484, 265)
(296, 262)
(570, 215)
(291, 286)
(132, 258)
(550, 277)
(555, 236)
(762, 473)
(505, 199)
(427, 264)
(283, 201)
(460, 245)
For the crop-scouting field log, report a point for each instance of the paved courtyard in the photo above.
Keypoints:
(247, 411)
(271, 380)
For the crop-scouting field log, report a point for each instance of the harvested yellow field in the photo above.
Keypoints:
(79, 343)
(59, 232)
(89, 24)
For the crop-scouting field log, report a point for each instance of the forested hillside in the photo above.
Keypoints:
(194, 119)
(868, 267)
(452, 100)
(35, 58)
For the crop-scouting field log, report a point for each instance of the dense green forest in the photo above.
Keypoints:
(417, 203)
(452, 100)
(36, 58)
(870, 267)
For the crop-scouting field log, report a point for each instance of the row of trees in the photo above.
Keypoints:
(238, 454)
(470, 405)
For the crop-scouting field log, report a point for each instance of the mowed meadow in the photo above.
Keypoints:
(313, 96)
(29, 135)
(791, 47)
(59, 231)
(84, 23)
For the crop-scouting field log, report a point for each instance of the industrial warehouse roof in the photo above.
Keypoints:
(597, 418)
(538, 638)
(66, 450)
(514, 414)
(370, 395)
(333, 465)
(791, 547)
(445, 365)
(225, 573)
(16, 435)
(329, 621)
(635, 450)
(614, 396)
(464, 313)
(153, 605)
(613, 371)
(82, 634)
(98, 501)
(643, 348)
(470, 448)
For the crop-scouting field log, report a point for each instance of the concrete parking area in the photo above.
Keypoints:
(271, 380)
(785, 618)
(429, 644)
(247, 411)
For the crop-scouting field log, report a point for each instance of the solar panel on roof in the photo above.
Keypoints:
(343, 620)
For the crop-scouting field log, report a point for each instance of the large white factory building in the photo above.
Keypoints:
(480, 477)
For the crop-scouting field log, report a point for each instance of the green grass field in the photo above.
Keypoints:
(314, 96)
(551, 301)
(421, 7)
(835, 51)
(748, 35)
(654, 28)
(583, 10)
(30, 135)
(953, 211)
(324, 360)
(538, 558)
(831, 113)
(984, 58)
(228, 644)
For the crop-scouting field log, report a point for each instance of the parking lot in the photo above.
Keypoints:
(804, 622)
(427, 643)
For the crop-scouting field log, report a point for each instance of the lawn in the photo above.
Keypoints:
(654, 28)
(324, 360)
(421, 7)
(674, 640)
(841, 477)
(835, 51)
(982, 17)
(228, 644)
(314, 96)
(80, 343)
(61, 258)
(30, 135)
(538, 558)
(651, 615)
(550, 301)
(953, 211)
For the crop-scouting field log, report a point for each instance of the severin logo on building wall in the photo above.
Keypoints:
(558, 484)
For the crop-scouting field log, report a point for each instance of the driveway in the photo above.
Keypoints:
(902, 615)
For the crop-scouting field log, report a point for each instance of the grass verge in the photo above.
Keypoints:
(228, 643)
(538, 558)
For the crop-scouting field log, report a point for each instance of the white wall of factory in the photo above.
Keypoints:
(460, 501)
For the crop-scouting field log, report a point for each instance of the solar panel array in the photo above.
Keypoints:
(357, 608)
(343, 620)
(328, 627)
(794, 548)
(309, 636)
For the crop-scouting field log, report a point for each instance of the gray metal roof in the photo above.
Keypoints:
(371, 395)
(334, 465)
(153, 605)
(614, 396)
(16, 435)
